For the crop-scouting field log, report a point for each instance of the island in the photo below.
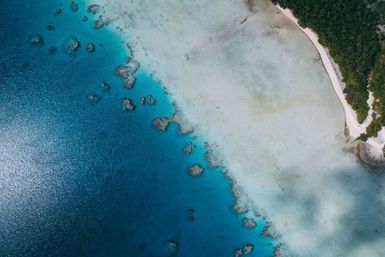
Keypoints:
(353, 54)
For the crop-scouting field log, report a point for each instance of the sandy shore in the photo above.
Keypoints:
(373, 146)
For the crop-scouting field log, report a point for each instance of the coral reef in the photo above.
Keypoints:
(128, 105)
(196, 170)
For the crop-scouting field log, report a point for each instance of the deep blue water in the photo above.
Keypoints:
(85, 179)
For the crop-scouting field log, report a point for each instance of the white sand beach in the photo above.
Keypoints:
(355, 129)
(251, 82)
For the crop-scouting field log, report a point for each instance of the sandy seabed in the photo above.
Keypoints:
(251, 82)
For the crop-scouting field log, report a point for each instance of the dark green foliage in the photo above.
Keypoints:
(377, 80)
(378, 6)
(377, 86)
(348, 29)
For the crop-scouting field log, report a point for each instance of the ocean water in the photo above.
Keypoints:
(79, 178)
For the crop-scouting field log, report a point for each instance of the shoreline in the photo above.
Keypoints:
(222, 68)
(373, 147)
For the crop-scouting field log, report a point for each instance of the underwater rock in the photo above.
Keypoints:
(127, 72)
(248, 249)
(58, 11)
(101, 22)
(161, 123)
(238, 208)
(176, 118)
(94, 9)
(150, 100)
(36, 40)
(130, 48)
(267, 231)
(245, 250)
(196, 170)
(190, 215)
(213, 161)
(71, 45)
(105, 86)
(94, 98)
(130, 82)
(50, 28)
(277, 250)
(52, 50)
(74, 6)
(123, 72)
(180, 120)
(249, 223)
(90, 47)
(127, 105)
(133, 64)
(188, 148)
(85, 18)
(173, 245)
(238, 252)
(212, 156)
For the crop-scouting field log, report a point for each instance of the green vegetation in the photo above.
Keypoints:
(377, 86)
(378, 6)
(348, 28)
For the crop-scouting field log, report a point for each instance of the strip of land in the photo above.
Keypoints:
(354, 127)
(374, 145)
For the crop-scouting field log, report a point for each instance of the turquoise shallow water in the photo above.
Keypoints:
(85, 179)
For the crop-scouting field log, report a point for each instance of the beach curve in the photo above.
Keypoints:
(371, 151)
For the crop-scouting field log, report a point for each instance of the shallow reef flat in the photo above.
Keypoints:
(84, 171)
(251, 83)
